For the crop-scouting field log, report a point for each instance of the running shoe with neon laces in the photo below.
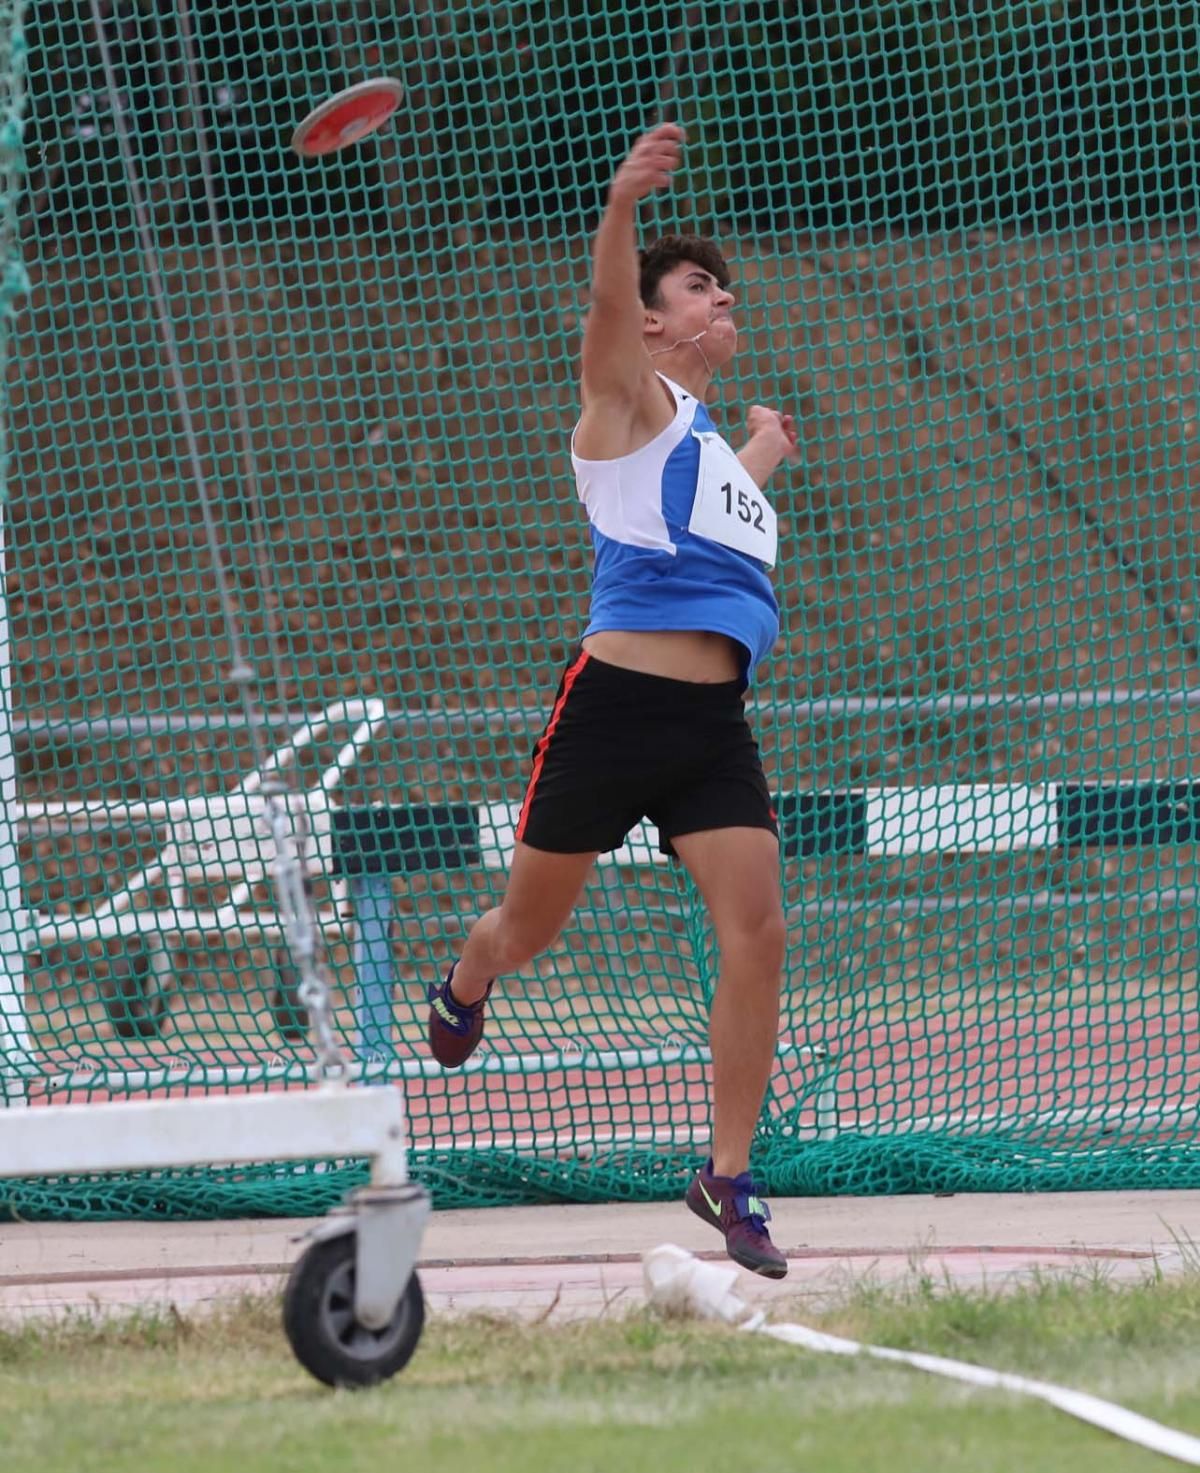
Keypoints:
(455, 1028)
(732, 1205)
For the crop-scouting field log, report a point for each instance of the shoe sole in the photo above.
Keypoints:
(451, 1063)
(763, 1267)
(455, 1063)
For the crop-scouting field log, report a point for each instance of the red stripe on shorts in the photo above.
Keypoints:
(539, 753)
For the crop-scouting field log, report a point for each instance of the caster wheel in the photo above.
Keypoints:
(135, 1009)
(318, 1319)
(289, 1013)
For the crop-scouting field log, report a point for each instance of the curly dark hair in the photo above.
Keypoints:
(661, 256)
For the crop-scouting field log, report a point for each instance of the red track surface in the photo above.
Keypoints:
(1103, 1059)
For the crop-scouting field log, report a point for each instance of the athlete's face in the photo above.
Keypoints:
(692, 301)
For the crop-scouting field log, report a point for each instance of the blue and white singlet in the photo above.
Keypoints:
(682, 537)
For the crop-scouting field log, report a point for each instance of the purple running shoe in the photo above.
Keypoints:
(455, 1028)
(732, 1205)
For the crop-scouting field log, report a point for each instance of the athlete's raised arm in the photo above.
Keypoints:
(615, 365)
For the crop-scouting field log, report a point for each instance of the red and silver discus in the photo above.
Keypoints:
(345, 118)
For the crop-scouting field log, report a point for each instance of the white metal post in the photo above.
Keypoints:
(16, 1046)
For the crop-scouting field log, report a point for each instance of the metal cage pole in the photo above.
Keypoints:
(15, 1040)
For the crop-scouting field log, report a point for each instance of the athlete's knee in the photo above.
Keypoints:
(756, 943)
(520, 938)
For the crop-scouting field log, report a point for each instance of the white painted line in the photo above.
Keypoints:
(677, 1281)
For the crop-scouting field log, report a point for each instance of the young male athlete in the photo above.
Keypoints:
(649, 719)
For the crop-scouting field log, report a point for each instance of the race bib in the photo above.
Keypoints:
(729, 508)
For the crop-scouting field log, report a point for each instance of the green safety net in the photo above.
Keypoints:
(964, 240)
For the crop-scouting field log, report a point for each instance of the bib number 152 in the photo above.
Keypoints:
(728, 507)
(738, 504)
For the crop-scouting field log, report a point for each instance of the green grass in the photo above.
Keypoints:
(638, 1393)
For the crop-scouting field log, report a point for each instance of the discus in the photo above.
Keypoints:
(345, 118)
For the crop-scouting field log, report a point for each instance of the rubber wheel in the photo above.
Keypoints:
(318, 1319)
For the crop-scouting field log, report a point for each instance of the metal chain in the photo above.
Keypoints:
(293, 889)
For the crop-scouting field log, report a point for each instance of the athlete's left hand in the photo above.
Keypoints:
(768, 425)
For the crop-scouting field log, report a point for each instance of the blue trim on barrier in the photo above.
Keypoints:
(371, 845)
(955, 818)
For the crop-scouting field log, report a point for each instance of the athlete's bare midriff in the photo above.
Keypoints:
(677, 654)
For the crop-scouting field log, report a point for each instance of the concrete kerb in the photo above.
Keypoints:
(585, 1261)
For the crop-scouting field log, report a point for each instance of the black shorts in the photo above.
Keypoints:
(621, 746)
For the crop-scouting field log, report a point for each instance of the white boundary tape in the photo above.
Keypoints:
(677, 1281)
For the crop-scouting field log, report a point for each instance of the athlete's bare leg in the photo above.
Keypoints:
(543, 890)
(737, 873)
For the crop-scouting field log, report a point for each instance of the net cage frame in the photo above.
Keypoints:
(337, 1118)
(218, 835)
